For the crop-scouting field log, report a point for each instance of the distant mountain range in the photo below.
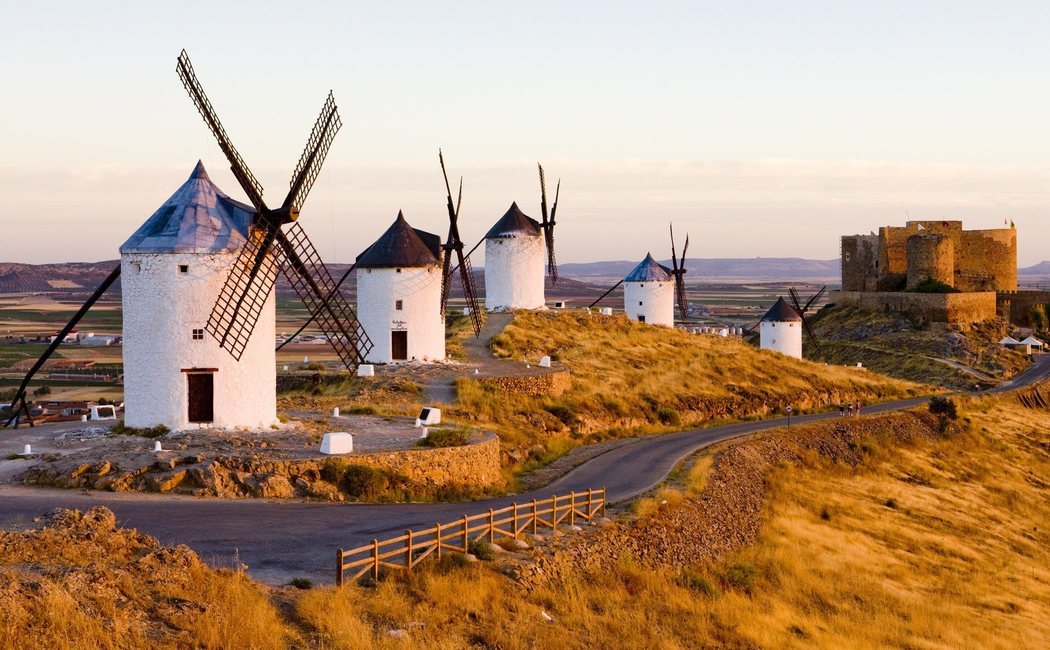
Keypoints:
(83, 277)
(751, 267)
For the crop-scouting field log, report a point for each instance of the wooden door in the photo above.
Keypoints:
(399, 345)
(201, 387)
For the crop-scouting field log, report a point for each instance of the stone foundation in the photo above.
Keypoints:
(550, 385)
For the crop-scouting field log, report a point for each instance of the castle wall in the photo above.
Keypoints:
(419, 291)
(956, 308)
(652, 300)
(514, 273)
(162, 306)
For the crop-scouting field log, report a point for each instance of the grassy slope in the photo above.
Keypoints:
(630, 378)
(936, 543)
(893, 345)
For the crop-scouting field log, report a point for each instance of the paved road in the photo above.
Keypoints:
(281, 540)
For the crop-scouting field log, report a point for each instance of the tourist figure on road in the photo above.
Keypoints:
(842, 410)
(850, 409)
(858, 407)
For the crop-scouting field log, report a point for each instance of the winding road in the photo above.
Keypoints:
(281, 540)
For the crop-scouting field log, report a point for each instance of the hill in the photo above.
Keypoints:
(757, 267)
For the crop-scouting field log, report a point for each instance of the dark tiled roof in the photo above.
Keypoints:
(649, 271)
(198, 218)
(402, 246)
(782, 312)
(514, 224)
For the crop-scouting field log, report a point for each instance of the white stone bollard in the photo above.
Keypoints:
(286, 368)
(337, 442)
(306, 359)
(424, 433)
(83, 418)
(606, 311)
(335, 412)
(366, 370)
(27, 450)
(545, 362)
(475, 371)
(157, 448)
(466, 311)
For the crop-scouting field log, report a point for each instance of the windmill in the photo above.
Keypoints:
(454, 244)
(678, 271)
(796, 302)
(547, 225)
(277, 241)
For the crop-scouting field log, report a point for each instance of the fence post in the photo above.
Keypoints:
(572, 508)
(554, 513)
(339, 567)
(535, 517)
(605, 500)
(466, 535)
(515, 520)
(408, 551)
(375, 559)
(492, 532)
(437, 538)
(590, 503)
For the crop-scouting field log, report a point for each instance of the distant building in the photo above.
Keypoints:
(514, 263)
(781, 330)
(648, 293)
(399, 295)
(964, 269)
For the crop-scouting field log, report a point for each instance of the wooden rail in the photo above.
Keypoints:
(404, 552)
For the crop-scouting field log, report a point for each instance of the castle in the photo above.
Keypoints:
(890, 270)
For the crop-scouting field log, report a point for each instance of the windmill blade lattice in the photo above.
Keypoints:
(547, 225)
(454, 243)
(249, 285)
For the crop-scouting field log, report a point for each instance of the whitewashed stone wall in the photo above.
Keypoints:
(514, 273)
(783, 337)
(654, 300)
(419, 290)
(162, 307)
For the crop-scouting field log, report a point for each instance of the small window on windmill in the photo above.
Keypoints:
(639, 303)
(847, 257)
(136, 267)
(184, 268)
(198, 335)
(398, 304)
(399, 270)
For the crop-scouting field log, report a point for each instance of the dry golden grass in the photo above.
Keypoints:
(931, 544)
(630, 378)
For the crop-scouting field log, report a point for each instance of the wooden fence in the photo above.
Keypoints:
(408, 550)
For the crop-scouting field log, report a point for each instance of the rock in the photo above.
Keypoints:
(603, 522)
(519, 544)
(495, 549)
(536, 539)
(165, 482)
(547, 617)
(470, 557)
(397, 634)
(275, 487)
(573, 528)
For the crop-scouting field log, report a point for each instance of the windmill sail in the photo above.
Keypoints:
(548, 224)
(454, 244)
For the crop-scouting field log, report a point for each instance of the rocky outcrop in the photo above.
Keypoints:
(476, 464)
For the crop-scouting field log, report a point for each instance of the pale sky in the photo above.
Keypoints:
(762, 128)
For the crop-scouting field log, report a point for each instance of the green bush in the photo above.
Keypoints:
(445, 438)
(43, 390)
(564, 412)
(370, 483)
(944, 407)
(120, 429)
(739, 576)
(668, 415)
(697, 584)
(929, 285)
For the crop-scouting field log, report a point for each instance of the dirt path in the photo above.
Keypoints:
(440, 386)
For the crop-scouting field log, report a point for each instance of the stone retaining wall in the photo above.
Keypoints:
(956, 308)
(551, 384)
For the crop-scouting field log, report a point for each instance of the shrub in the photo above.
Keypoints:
(481, 550)
(445, 438)
(564, 412)
(668, 415)
(302, 583)
(120, 429)
(43, 390)
(929, 285)
(944, 407)
(365, 482)
(697, 583)
(739, 576)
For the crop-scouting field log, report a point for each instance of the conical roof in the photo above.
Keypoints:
(402, 246)
(514, 223)
(782, 312)
(649, 270)
(198, 218)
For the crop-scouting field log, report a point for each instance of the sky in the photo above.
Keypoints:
(761, 128)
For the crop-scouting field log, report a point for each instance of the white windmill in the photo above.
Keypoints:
(514, 256)
(648, 293)
(399, 285)
(781, 330)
